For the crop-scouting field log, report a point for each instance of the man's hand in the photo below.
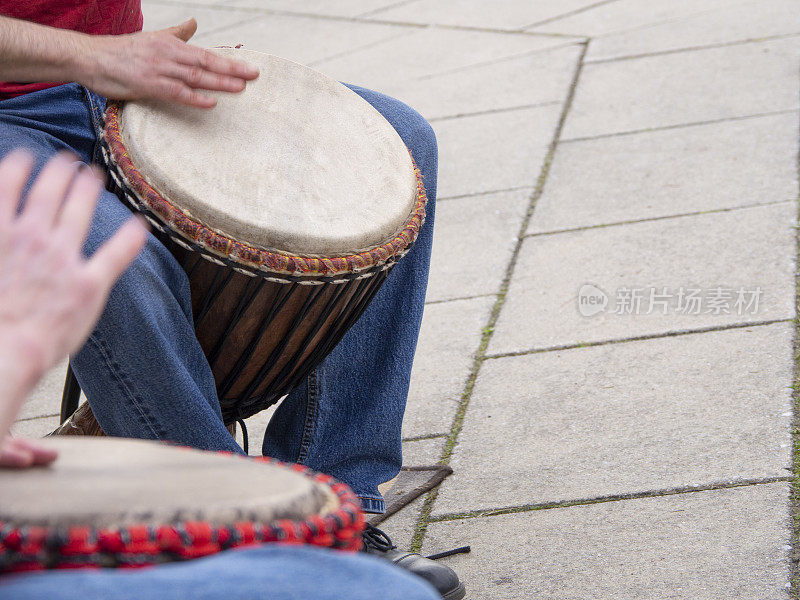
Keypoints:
(50, 295)
(16, 453)
(159, 64)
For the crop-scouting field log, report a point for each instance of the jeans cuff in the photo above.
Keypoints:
(373, 505)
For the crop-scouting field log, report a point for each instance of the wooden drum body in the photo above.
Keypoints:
(130, 503)
(287, 205)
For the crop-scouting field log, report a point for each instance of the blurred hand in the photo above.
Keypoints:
(160, 65)
(50, 295)
(16, 453)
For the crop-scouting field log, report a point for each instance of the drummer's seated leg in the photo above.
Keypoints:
(142, 368)
(268, 572)
(346, 418)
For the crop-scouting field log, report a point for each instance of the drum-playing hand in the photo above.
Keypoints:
(160, 64)
(50, 295)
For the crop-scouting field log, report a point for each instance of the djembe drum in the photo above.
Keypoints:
(287, 205)
(132, 503)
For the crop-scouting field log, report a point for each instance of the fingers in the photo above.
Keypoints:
(114, 256)
(41, 455)
(207, 60)
(190, 69)
(15, 169)
(16, 453)
(197, 77)
(12, 457)
(184, 31)
(79, 206)
(47, 193)
(177, 91)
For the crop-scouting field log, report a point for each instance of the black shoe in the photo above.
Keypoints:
(443, 578)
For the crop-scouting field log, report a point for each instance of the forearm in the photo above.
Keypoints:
(32, 53)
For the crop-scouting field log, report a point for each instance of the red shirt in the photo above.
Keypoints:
(98, 17)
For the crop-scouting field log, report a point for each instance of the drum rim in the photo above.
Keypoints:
(41, 547)
(262, 259)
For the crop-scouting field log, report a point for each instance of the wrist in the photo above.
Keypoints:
(22, 364)
(80, 59)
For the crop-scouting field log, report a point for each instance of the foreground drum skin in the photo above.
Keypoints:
(129, 503)
(287, 205)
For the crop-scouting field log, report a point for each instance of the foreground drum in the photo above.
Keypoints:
(126, 503)
(287, 205)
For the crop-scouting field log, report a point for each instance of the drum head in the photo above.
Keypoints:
(106, 483)
(297, 163)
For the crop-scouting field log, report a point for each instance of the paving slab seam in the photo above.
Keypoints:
(601, 136)
(458, 419)
(482, 193)
(427, 436)
(457, 298)
(571, 13)
(315, 64)
(599, 61)
(356, 19)
(511, 57)
(659, 218)
(689, 489)
(494, 111)
(376, 11)
(48, 416)
(638, 338)
(795, 493)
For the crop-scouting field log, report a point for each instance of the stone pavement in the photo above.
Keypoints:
(607, 355)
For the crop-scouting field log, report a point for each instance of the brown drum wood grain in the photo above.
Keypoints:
(262, 337)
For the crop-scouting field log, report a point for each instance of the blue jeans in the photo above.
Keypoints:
(145, 374)
(270, 572)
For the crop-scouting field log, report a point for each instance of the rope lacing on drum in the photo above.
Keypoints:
(378, 540)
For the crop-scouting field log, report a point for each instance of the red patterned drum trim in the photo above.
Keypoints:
(39, 548)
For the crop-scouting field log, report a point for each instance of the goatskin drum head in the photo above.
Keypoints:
(107, 482)
(297, 163)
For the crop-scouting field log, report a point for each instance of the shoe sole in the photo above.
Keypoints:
(456, 594)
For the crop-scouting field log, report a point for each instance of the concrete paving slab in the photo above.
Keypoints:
(34, 428)
(159, 16)
(535, 79)
(459, 266)
(46, 398)
(428, 52)
(750, 21)
(491, 152)
(630, 15)
(729, 543)
(340, 8)
(300, 39)
(214, 3)
(510, 15)
(687, 87)
(626, 418)
(450, 336)
(669, 172)
(718, 269)
(402, 524)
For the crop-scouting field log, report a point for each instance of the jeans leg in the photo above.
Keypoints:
(271, 572)
(346, 418)
(142, 368)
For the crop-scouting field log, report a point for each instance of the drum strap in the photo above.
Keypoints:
(245, 440)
